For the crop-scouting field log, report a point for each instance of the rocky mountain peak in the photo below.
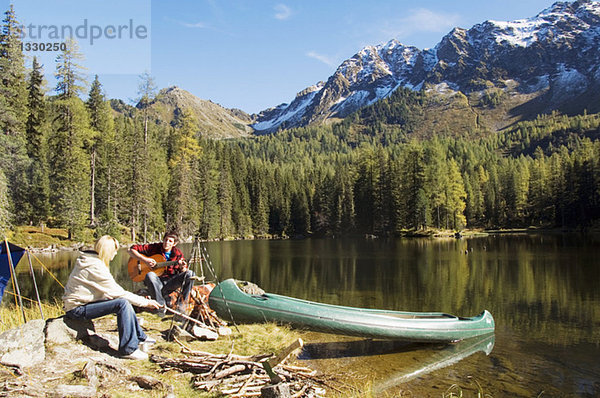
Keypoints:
(213, 120)
(552, 53)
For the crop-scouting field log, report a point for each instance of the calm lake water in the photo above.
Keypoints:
(543, 291)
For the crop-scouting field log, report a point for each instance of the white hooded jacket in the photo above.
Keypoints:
(91, 280)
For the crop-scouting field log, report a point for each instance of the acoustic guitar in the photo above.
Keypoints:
(138, 269)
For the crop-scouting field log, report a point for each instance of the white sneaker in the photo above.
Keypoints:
(147, 344)
(137, 355)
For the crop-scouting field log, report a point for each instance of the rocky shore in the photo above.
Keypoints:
(62, 357)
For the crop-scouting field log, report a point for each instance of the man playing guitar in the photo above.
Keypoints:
(164, 279)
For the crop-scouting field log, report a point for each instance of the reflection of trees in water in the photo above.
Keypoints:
(545, 284)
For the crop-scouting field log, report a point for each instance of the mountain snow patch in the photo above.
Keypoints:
(569, 81)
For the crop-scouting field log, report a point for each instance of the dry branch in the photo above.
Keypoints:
(240, 376)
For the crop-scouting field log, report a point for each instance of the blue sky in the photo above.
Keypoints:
(243, 54)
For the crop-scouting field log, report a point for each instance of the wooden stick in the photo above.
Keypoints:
(37, 292)
(242, 389)
(189, 318)
(230, 371)
(213, 369)
(287, 351)
(301, 392)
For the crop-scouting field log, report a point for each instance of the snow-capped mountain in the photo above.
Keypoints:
(552, 60)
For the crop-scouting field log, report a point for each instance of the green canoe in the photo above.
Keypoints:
(230, 302)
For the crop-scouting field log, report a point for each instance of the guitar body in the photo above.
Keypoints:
(138, 269)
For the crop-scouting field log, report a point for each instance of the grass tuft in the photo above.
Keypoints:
(11, 316)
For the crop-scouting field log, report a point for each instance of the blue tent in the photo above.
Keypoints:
(16, 253)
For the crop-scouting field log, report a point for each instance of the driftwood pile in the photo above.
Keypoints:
(243, 376)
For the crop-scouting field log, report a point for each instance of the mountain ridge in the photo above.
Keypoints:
(541, 63)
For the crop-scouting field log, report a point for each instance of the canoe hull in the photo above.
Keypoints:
(230, 302)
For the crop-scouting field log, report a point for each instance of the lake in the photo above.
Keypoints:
(542, 289)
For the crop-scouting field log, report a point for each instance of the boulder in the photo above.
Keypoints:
(64, 330)
(280, 390)
(204, 333)
(23, 346)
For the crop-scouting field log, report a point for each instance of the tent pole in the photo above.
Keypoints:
(14, 278)
(37, 293)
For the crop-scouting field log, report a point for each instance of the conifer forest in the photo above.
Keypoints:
(74, 159)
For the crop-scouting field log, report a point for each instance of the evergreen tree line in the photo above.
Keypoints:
(74, 163)
(441, 183)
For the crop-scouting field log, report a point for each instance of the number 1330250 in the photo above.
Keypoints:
(48, 46)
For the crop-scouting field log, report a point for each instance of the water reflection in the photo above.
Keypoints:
(356, 348)
(431, 360)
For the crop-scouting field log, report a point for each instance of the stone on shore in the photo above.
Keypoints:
(64, 330)
(73, 391)
(280, 390)
(24, 346)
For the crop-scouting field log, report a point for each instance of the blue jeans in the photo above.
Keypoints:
(130, 332)
(158, 288)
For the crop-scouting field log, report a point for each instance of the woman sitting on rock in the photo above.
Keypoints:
(91, 292)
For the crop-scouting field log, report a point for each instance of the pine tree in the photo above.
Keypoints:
(382, 213)
(102, 129)
(435, 180)
(111, 192)
(13, 86)
(470, 200)
(225, 197)
(70, 168)
(207, 194)
(321, 214)
(143, 198)
(366, 191)
(259, 197)
(415, 206)
(521, 181)
(279, 202)
(241, 199)
(146, 92)
(479, 179)
(39, 182)
(36, 111)
(344, 201)
(13, 114)
(70, 136)
(184, 209)
(159, 178)
(69, 71)
(455, 197)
